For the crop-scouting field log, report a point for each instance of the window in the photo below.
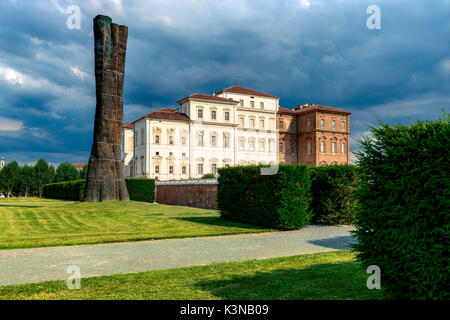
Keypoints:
(213, 114)
(292, 148)
(171, 140)
(241, 121)
(252, 104)
(322, 123)
(156, 139)
(333, 147)
(343, 125)
(200, 140)
(343, 147)
(261, 104)
(308, 124)
(214, 168)
(171, 154)
(252, 123)
(142, 165)
(281, 147)
(142, 136)
(183, 140)
(183, 170)
(183, 154)
(322, 146)
(200, 113)
(308, 147)
(241, 144)
(156, 169)
(333, 124)
(226, 142)
(241, 103)
(280, 125)
(227, 165)
(171, 169)
(227, 116)
(200, 168)
(157, 153)
(262, 145)
(136, 137)
(261, 123)
(213, 141)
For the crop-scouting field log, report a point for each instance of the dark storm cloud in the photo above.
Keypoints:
(302, 50)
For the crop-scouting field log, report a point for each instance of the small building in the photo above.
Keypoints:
(313, 134)
(79, 165)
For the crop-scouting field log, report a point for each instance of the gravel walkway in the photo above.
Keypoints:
(42, 264)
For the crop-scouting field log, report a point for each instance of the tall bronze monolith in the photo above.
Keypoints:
(105, 174)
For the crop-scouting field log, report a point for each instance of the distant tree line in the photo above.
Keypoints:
(28, 180)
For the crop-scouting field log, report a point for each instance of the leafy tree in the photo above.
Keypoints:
(83, 172)
(44, 174)
(28, 185)
(10, 178)
(66, 172)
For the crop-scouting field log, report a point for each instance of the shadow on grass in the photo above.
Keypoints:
(338, 243)
(323, 281)
(217, 221)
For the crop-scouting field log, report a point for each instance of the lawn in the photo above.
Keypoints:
(31, 199)
(56, 224)
(331, 275)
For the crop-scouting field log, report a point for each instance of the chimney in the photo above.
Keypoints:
(301, 106)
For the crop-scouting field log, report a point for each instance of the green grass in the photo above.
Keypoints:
(330, 276)
(53, 224)
(31, 199)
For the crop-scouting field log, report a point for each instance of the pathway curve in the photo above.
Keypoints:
(42, 264)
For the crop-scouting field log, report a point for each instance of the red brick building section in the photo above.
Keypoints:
(322, 135)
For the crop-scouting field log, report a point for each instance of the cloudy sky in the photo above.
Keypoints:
(317, 51)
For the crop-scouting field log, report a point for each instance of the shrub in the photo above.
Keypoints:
(209, 176)
(333, 194)
(276, 201)
(402, 216)
(69, 190)
(141, 189)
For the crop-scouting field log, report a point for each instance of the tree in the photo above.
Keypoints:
(44, 174)
(83, 172)
(66, 172)
(10, 178)
(28, 185)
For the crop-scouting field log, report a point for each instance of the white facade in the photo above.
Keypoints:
(205, 133)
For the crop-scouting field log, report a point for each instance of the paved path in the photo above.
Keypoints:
(42, 264)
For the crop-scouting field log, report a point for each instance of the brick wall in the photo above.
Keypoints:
(195, 194)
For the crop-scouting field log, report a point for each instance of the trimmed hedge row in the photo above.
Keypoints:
(402, 218)
(278, 201)
(139, 190)
(333, 194)
(69, 190)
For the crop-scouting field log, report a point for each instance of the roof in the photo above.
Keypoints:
(311, 107)
(242, 90)
(79, 164)
(165, 113)
(129, 125)
(198, 96)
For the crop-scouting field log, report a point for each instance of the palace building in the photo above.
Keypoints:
(235, 126)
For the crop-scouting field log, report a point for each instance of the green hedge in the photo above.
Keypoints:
(403, 220)
(139, 190)
(333, 194)
(278, 201)
(69, 190)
